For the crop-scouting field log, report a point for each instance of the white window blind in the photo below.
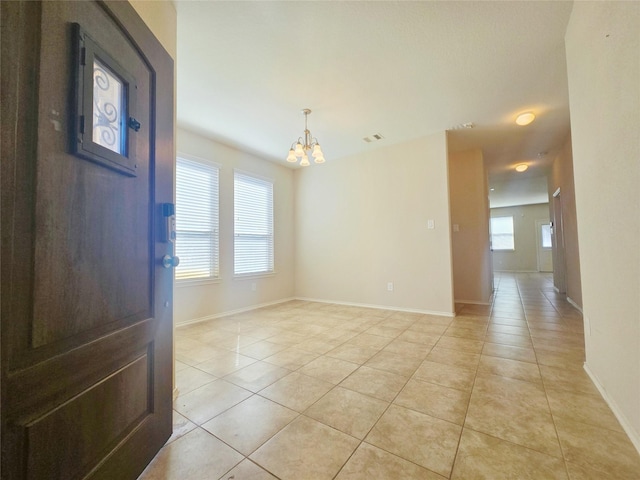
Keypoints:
(197, 239)
(253, 224)
(502, 233)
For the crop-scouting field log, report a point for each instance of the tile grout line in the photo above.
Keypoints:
(528, 313)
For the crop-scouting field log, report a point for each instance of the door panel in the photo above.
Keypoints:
(86, 332)
(96, 256)
(46, 444)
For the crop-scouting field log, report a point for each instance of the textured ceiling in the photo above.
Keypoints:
(401, 69)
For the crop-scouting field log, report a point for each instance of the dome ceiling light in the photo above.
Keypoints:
(525, 118)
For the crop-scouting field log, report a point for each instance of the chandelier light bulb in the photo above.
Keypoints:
(317, 151)
(299, 150)
(292, 157)
(305, 161)
(319, 159)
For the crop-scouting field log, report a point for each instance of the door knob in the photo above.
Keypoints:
(170, 262)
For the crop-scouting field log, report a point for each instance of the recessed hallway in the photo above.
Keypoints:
(320, 391)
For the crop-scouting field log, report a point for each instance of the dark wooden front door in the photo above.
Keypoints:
(86, 304)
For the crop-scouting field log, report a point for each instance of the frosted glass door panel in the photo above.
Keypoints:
(108, 100)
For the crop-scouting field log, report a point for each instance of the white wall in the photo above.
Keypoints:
(468, 198)
(603, 65)
(361, 222)
(561, 177)
(161, 18)
(194, 302)
(521, 191)
(525, 256)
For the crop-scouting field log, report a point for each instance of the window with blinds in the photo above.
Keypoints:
(502, 233)
(197, 239)
(253, 224)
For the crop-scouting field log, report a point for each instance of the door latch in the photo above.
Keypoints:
(134, 124)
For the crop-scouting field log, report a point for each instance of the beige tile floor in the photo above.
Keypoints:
(320, 391)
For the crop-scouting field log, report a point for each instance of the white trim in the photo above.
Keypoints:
(232, 312)
(472, 302)
(626, 426)
(575, 305)
(379, 307)
(248, 276)
(190, 282)
(176, 392)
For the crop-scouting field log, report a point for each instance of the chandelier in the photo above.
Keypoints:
(298, 151)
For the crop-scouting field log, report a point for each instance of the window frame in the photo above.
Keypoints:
(87, 51)
(215, 213)
(270, 223)
(493, 234)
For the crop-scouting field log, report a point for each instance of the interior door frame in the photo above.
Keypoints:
(557, 238)
(539, 248)
(18, 240)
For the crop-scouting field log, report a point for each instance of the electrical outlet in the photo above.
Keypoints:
(431, 224)
(390, 287)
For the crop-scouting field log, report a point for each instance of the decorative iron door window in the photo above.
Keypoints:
(104, 126)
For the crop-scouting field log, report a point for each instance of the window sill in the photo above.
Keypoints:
(247, 276)
(197, 281)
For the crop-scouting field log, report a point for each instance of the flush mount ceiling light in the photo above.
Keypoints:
(522, 167)
(525, 118)
(299, 149)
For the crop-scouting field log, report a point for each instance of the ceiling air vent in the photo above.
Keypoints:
(373, 138)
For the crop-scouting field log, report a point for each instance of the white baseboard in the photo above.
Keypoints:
(629, 430)
(232, 312)
(283, 300)
(575, 305)
(379, 307)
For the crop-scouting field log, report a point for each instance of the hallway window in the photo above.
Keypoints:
(197, 238)
(545, 232)
(253, 224)
(502, 233)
